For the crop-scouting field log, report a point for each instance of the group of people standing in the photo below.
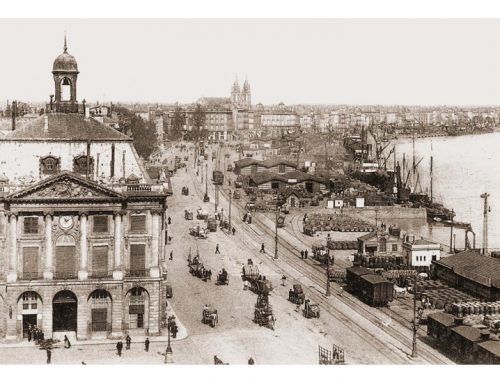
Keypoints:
(35, 334)
(128, 342)
(304, 254)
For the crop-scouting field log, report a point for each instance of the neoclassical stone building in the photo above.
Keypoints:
(82, 226)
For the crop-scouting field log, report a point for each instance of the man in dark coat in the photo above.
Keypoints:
(305, 254)
(217, 251)
(128, 341)
(146, 345)
(30, 333)
(119, 348)
(49, 356)
(301, 254)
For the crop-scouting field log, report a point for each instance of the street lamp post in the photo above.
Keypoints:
(328, 293)
(414, 353)
(206, 178)
(230, 210)
(276, 234)
(168, 353)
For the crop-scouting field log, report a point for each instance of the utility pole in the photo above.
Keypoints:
(485, 223)
(206, 178)
(328, 293)
(276, 234)
(230, 210)
(415, 326)
(216, 197)
(451, 230)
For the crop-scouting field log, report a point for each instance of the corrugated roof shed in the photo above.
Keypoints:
(478, 268)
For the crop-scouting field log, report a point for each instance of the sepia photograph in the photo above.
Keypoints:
(250, 191)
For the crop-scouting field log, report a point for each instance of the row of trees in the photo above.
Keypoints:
(197, 120)
(144, 134)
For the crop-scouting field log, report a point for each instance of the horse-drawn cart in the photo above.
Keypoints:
(311, 310)
(296, 295)
(222, 278)
(210, 316)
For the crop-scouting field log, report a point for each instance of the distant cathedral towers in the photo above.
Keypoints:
(241, 96)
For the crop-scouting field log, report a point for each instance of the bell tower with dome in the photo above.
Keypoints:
(65, 73)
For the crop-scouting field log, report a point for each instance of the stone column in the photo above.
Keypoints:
(12, 276)
(49, 254)
(83, 273)
(118, 267)
(154, 270)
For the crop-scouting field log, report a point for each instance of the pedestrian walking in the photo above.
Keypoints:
(251, 361)
(169, 220)
(234, 230)
(169, 239)
(49, 356)
(217, 249)
(171, 255)
(175, 330)
(128, 341)
(306, 254)
(262, 249)
(41, 337)
(341, 293)
(301, 254)
(146, 345)
(30, 333)
(35, 335)
(283, 280)
(67, 343)
(119, 348)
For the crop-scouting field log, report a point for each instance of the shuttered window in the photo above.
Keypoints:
(137, 259)
(138, 223)
(101, 224)
(30, 262)
(30, 225)
(99, 261)
(99, 317)
(65, 262)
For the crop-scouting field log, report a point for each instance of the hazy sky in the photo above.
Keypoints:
(295, 61)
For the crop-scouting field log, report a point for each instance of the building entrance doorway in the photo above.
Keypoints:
(28, 320)
(64, 311)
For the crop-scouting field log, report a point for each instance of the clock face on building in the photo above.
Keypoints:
(66, 222)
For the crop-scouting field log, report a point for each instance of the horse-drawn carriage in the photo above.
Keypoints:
(258, 282)
(210, 316)
(322, 254)
(185, 190)
(188, 214)
(201, 214)
(198, 232)
(263, 313)
(222, 278)
(311, 310)
(197, 269)
(296, 295)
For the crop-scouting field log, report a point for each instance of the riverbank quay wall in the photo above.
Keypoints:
(381, 213)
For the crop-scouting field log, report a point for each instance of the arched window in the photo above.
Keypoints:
(65, 89)
(80, 164)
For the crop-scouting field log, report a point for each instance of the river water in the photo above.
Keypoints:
(464, 167)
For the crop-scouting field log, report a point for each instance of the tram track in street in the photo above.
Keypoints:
(313, 291)
(311, 272)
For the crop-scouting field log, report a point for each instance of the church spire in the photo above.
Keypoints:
(65, 45)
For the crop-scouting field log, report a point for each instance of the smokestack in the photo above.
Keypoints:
(112, 160)
(45, 123)
(85, 111)
(88, 159)
(13, 114)
(123, 165)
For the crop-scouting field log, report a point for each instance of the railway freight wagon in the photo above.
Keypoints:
(218, 177)
(370, 287)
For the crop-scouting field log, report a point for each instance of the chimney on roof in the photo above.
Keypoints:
(459, 321)
(485, 335)
(13, 114)
(45, 123)
(112, 160)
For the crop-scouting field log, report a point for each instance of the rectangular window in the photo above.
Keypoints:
(137, 260)
(136, 321)
(138, 223)
(65, 262)
(394, 247)
(275, 185)
(281, 168)
(101, 224)
(99, 261)
(30, 225)
(30, 262)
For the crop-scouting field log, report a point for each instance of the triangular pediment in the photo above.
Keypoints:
(65, 185)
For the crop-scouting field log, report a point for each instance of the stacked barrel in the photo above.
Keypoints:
(475, 307)
(316, 222)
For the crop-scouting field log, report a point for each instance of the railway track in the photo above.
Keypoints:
(357, 330)
(317, 275)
